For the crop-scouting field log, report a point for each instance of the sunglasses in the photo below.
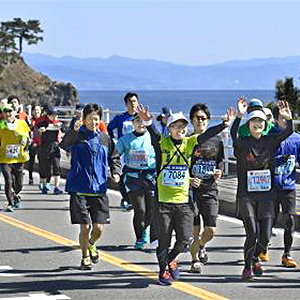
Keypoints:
(202, 119)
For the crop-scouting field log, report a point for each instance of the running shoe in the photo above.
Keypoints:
(124, 204)
(94, 253)
(129, 207)
(86, 263)
(57, 191)
(17, 201)
(196, 267)
(146, 235)
(288, 262)
(264, 256)
(9, 208)
(247, 275)
(140, 244)
(173, 269)
(164, 278)
(153, 245)
(44, 190)
(203, 255)
(256, 268)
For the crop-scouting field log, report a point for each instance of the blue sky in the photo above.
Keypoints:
(186, 32)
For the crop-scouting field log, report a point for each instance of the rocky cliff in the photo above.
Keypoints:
(17, 78)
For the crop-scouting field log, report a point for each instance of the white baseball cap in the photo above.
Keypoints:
(176, 117)
(257, 114)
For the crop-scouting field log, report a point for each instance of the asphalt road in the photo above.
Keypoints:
(40, 259)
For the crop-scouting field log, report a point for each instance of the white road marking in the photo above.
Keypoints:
(3, 273)
(239, 222)
(39, 296)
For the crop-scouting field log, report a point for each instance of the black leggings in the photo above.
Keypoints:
(288, 232)
(257, 238)
(142, 203)
(30, 163)
(13, 177)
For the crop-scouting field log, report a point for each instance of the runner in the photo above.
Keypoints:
(36, 113)
(286, 157)
(255, 192)
(162, 119)
(174, 209)
(139, 179)
(206, 167)
(14, 139)
(123, 124)
(49, 152)
(87, 181)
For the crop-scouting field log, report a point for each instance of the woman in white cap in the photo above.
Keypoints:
(174, 210)
(255, 170)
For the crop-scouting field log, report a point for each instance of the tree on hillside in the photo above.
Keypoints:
(23, 31)
(6, 42)
(287, 91)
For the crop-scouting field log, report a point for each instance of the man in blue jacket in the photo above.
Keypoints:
(286, 157)
(92, 152)
(123, 124)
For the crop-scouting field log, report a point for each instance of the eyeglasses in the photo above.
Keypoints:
(200, 118)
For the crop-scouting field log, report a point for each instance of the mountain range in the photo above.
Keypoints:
(122, 73)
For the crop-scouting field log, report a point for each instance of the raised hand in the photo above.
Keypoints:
(242, 106)
(229, 116)
(143, 112)
(284, 110)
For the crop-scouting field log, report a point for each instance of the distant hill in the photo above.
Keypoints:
(121, 73)
(17, 78)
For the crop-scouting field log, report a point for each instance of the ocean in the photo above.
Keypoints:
(217, 101)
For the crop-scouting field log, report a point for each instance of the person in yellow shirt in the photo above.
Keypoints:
(14, 138)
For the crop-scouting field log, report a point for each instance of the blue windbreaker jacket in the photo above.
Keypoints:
(286, 157)
(92, 153)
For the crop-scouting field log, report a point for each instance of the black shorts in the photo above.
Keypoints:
(89, 209)
(207, 205)
(287, 200)
(246, 207)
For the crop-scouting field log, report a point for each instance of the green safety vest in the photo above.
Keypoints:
(173, 179)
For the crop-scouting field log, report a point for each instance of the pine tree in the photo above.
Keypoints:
(23, 31)
(286, 90)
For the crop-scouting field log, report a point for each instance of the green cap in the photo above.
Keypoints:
(6, 107)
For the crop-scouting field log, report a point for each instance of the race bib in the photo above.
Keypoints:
(204, 169)
(127, 127)
(287, 167)
(13, 151)
(138, 158)
(259, 180)
(174, 176)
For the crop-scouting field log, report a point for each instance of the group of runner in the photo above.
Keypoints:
(170, 179)
(23, 137)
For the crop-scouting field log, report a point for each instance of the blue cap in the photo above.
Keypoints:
(256, 102)
(51, 111)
